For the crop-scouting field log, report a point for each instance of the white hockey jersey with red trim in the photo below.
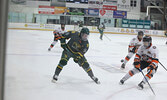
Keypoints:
(59, 30)
(150, 54)
(135, 42)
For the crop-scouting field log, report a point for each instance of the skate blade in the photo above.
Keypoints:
(122, 68)
(54, 81)
(139, 88)
(121, 83)
(98, 82)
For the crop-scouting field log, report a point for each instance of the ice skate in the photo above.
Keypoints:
(123, 66)
(140, 85)
(49, 49)
(95, 80)
(122, 60)
(55, 78)
(121, 82)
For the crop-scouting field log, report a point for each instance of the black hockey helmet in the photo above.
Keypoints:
(84, 33)
(140, 33)
(147, 39)
(62, 23)
(62, 26)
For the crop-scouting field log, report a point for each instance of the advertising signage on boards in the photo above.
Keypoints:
(120, 14)
(77, 1)
(132, 23)
(91, 12)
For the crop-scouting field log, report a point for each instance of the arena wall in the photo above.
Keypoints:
(93, 29)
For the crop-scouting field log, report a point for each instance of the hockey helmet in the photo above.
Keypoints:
(140, 33)
(84, 33)
(147, 41)
(62, 23)
(62, 26)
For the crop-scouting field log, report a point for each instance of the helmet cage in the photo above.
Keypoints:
(147, 40)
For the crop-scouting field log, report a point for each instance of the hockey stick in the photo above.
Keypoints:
(72, 54)
(107, 37)
(163, 66)
(147, 81)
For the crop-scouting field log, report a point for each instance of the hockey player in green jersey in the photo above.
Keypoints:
(101, 29)
(76, 47)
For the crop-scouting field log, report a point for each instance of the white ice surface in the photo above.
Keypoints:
(30, 67)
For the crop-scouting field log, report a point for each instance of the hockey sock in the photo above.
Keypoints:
(53, 43)
(90, 73)
(130, 74)
(58, 70)
(149, 75)
(127, 58)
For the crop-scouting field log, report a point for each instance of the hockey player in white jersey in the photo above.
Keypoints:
(146, 57)
(57, 35)
(133, 47)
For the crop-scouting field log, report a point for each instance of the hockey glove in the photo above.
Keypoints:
(57, 38)
(136, 63)
(151, 66)
(134, 50)
(137, 66)
(77, 57)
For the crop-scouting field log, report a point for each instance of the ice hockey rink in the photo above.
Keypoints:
(30, 67)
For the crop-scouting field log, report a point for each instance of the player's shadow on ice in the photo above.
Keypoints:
(69, 80)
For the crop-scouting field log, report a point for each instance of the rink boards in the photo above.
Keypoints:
(93, 29)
